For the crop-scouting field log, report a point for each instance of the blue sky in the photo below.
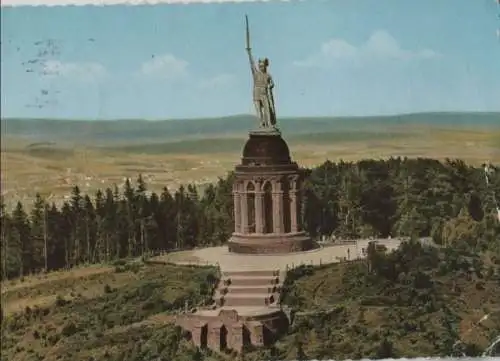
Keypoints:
(359, 57)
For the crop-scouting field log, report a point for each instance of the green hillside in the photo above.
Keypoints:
(412, 302)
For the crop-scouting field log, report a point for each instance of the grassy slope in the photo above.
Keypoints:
(348, 315)
(116, 313)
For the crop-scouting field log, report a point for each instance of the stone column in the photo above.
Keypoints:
(197, 332)
(257, 334)
(196, 336)
(294, 206)
(259, 212)
(237, 208)
(244, 212)
(278, 223)
(214, 336)
(235, 341)
(300, 211)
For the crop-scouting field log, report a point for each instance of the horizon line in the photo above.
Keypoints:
(389, 115)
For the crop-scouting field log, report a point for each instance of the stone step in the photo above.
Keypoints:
(252, 289)
(249, 290)
(252, 281)
(258, 273)
(243, 299)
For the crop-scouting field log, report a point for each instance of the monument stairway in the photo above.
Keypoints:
(253, 288)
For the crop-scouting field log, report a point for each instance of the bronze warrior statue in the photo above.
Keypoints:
(262, 88)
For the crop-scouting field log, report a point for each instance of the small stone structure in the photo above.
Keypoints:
(267, 198)
(248, 313)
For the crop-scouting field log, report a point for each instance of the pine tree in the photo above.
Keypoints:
(130, 209)
(20, 243)
(144, 217)
(56, 235)
(224, 209)
(110, 224)
(38, 235)
(167, 220)
(4, 231)
(66, 227)
(154, 228)
(208, 219)
(90, 229)
(78, 231)
(99, 253)
(180, 207)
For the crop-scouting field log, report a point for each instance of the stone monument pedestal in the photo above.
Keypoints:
(270, 243)
(267, 198)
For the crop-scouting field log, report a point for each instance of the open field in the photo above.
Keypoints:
(96, 155)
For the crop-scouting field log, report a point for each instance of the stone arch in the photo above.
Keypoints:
(228, 316)
(250, 198)
(223, 337)
(204, 336)
(250, 186)
(247, 337)
(267, 188)
(267, 335)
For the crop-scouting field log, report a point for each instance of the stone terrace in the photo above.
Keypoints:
(229, 262)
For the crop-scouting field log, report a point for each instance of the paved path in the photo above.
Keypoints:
(236, 262)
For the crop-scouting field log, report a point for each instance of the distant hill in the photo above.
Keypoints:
(131, 130)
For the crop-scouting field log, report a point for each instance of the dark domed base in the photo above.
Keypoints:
(266, 147)
(270, 243)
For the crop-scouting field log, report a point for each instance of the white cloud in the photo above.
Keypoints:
(83, 71)
(218, 81)
(166, 67)
(380, 45)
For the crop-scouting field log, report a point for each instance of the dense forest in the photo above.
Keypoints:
(449, 201)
